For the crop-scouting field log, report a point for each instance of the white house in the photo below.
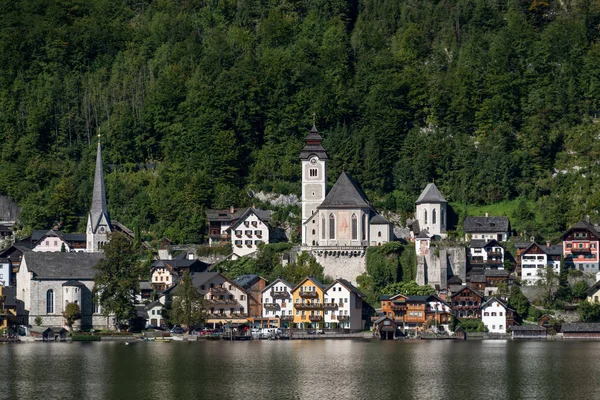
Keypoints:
(431, 211)
(343, 306)
(438, 306)
(496, 316)
(536, 258)
(486, 228)
(248, 232)
(277, 301)
(225, 301)
(486, 253)
(155, 314)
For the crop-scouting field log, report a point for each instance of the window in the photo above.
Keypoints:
(50, 302)
(55, 243)
(425, 216)
(364, 227)
(486, 314)
(96, 309)
(354, 227)
(323, 227)
(331, 226)
(500, 327)
(443, 219)
(433, 217)
(313, 172)
(243, 297)
(379, 234)
(297, 300)
(500, 313)
(297, 312)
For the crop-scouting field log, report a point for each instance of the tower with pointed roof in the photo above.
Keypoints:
(314, 176)
(431, 211)
(98, 226)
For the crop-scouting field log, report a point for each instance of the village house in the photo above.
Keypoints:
(496, 316)
(486, 228)
(466, 303)
(277, 302)
(581, 330)
(10, 260)
(529, 332)
(225, 301)
(248, 232)
(253, 285)
(385, 328)
(416, 313)
(47, 282)
(220, 222)
(343, 306)
(54, 241)
(580, 247)
(154, 312)
(166, 273)
(593, 293)
(536, 258)
(308, 298)
(486, 254)
(337, 227)
(8, 307)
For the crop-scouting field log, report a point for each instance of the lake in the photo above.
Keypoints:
(322, 369)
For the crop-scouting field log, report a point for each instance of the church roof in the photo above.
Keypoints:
(62, 266)
(431, 194)
(377, 219)
(346, 193)
(99, 206)
(313, 146)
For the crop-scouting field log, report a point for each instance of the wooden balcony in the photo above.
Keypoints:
(329, 306)
(308, 306)
(217, 290)
(576, 250)
(272, 306)
(316, 318)
(222, 301)
(280, 295)
(342, 318)
(287, 318)
(309, 295)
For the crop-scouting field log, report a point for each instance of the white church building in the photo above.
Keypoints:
(339, 225)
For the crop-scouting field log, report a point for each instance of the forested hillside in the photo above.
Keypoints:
(197, 101)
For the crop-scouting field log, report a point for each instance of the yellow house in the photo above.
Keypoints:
(308, 303)
(594, 293)
(8, 312)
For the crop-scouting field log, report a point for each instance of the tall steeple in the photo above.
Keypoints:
(98, 226)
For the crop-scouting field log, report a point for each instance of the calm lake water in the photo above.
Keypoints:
(302, 370)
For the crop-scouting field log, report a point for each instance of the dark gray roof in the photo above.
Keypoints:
(346, 193)
(454, 280)
(313, 146)
(259, 213)
(477, 278)
(423, 235)
(528, 328)
(552, 250)
(348, 286)
(312, 278)
(200, 278)
(99, 207)
(486, 224)
(496, 300)
(62, 266)
(75, 237)
(377, 219)
(145, 285)
(521, 245)
(418, 298)
(227, 216)
(482, 243)
(73, 282)
(153, 304)
(496, 272)
(289, 285)
(246, 281)
(193, 265)
(581, 327)
(431, 194)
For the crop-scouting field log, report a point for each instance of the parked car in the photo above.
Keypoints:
(178, 330)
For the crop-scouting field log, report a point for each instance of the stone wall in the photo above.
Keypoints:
(342, 266)
(439, 264)
(9, 210)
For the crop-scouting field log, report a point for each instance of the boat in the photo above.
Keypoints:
(163, 339)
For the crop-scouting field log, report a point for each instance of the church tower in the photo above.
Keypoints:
(314, 177)
(431, 211)
(98, 226)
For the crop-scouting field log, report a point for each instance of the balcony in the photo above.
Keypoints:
(280, 295)
(309, 295)
(342, 318)
(316, 318)
(287, 318)
(272, 306)
(217, 290)
(222, 301)
(226, 315)
(308, 306)
(397, 309)
(329, 306)
(581, 251)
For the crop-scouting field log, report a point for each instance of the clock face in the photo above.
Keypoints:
(102, 229)
(313, 160)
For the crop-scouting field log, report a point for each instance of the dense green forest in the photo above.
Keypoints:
(199, 101)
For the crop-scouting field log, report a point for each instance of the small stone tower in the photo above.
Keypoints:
(98, 226)
(431, 211)
(314, 177)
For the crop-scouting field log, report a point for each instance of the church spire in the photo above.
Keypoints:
(99, 225)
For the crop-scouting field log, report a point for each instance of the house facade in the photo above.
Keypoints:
(253, 285)
(248, 232)
(277, 302)
(486, 228)
(308, 298)
(496, 315)
(343, 306)
(220, 222)
(55, 241)
(224, 300)
(486, 254)
(47, 282)
(536, 258)
(580, 247)
(466, 303)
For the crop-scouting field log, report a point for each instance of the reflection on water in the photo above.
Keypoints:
(302, 370)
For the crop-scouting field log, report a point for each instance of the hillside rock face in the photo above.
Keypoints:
(436, 267)
(276, 199)
(9, 210)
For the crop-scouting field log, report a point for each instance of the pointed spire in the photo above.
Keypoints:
(99, 207)
(313, 144)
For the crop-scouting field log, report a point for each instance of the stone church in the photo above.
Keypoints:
(337, 226)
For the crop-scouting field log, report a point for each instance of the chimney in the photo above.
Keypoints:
(231, 210)
(253, 205)
(548, 244)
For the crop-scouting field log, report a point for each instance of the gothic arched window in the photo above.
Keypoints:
(50, 302)
(443, 219)
(331, 226)
(364, 227)
(433, 216)
(425, 216)
(323, 227)
(354, 227)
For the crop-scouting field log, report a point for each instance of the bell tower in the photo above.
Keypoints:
(314, 177)
(98, 225)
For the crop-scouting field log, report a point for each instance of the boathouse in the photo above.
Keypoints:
(529, 332)
(581, 330)
(385, 328)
